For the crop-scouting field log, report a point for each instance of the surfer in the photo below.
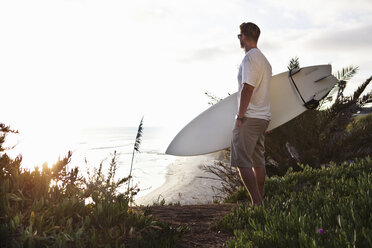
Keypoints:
(252, 119)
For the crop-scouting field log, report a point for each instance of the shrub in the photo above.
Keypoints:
(56, 207)
(328, 207)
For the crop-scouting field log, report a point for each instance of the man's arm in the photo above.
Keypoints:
(245, 98)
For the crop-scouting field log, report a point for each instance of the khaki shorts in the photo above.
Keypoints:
(247, 145)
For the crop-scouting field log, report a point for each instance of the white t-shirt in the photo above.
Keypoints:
(256, 70)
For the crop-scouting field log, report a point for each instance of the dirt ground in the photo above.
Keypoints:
(199, 218)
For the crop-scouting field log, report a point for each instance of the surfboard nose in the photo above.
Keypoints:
(170, 151)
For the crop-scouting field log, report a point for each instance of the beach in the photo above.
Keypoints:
(186, 183)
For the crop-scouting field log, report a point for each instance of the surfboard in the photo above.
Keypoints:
(291, 93)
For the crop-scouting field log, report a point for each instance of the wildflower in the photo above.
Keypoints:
(320, 230)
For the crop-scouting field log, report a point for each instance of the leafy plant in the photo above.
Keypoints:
(4, 131)
(57, 207)
(294, 63)
(315, 137)
(213, 98)
(319, 136)
(328, 207)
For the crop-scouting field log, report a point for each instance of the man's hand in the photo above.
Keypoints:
(239, 122)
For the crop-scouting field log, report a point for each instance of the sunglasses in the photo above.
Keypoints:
(240, 36)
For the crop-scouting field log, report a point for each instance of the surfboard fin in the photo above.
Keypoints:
(312, 104)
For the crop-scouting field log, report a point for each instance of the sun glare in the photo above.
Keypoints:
(46, 146)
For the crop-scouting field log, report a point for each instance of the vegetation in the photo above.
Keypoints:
(212, 98)
(322, 135)
(328, 207)
(329, 133)
(326, 204)
(136, 146)
(56, 207)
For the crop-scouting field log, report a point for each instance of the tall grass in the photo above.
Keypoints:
(136, 147)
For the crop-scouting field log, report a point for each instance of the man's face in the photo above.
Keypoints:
(241, 41)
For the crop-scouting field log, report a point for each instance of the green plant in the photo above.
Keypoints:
(294, 63)
(328, 207)
(56, 207)
(319, 136)
(136, 147)
(159, 202)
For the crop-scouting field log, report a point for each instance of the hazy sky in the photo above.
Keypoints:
(71, 64)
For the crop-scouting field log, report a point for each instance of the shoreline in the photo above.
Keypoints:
(186, 183)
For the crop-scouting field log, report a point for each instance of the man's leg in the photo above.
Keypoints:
(260, 173)
(249, 179)
(259, 163)
(247, 148)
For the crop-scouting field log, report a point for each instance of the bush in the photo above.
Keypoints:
(56, 207)
(319, 136)
(316, 136)
(328, 207)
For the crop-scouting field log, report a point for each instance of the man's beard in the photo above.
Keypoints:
(241, 43)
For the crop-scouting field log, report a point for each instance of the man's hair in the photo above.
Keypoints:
(250, 30)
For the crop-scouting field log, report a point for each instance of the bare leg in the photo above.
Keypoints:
(249, 179)
(260, 177)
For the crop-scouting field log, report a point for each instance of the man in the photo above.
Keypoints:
(252, 119)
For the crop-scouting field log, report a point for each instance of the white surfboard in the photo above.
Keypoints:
(211, 131)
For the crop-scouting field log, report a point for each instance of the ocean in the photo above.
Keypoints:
(92, 146)
(150, 165)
